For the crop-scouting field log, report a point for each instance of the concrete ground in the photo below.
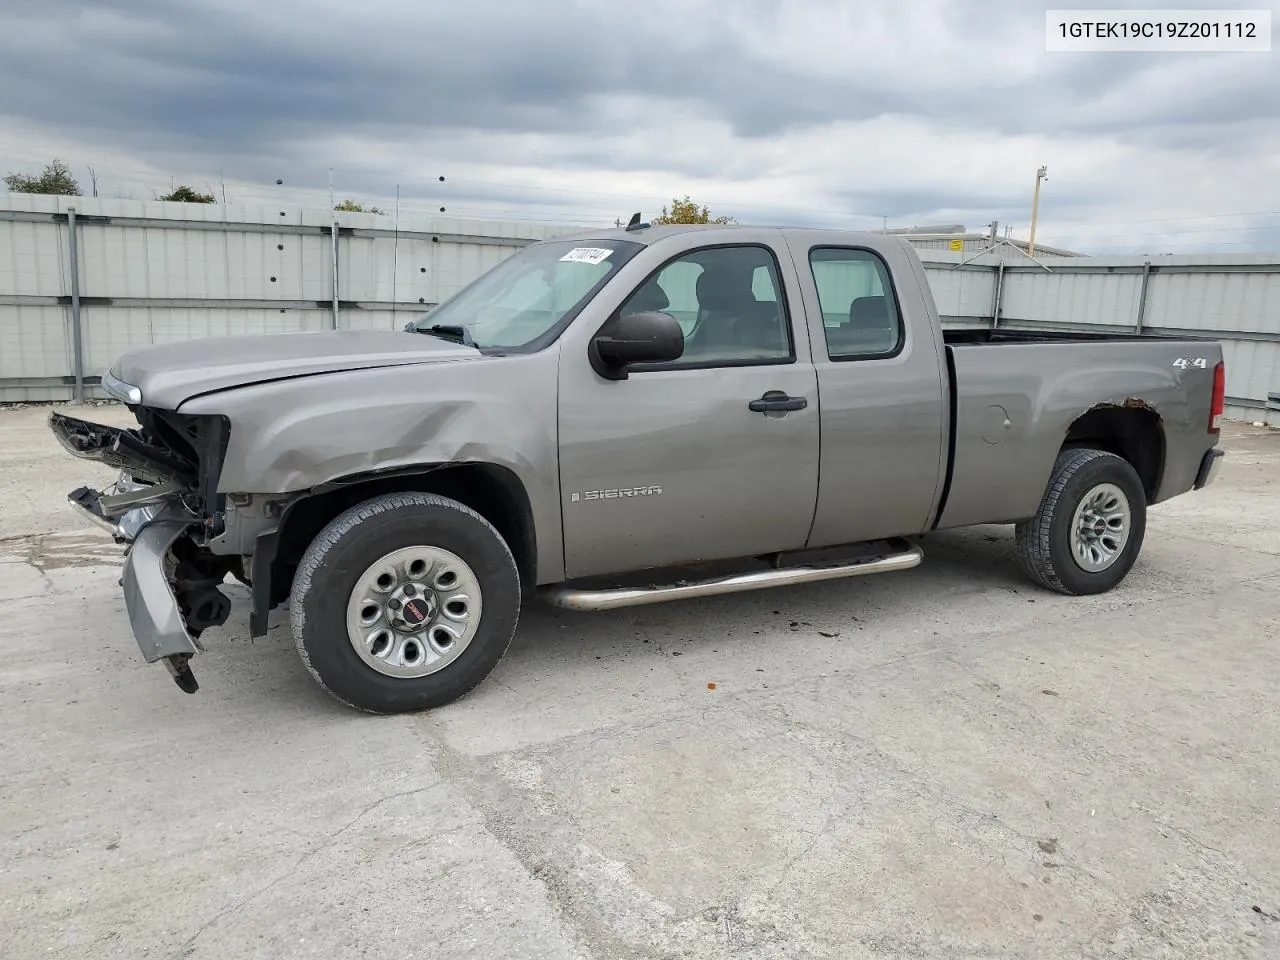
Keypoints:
(945, 763)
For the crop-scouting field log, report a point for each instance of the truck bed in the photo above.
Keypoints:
(1012, 410)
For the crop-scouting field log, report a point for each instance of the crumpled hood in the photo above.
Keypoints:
(171, 373)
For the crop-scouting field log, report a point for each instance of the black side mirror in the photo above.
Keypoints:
(650, 337)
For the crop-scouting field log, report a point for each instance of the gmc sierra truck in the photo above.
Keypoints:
(617, 418)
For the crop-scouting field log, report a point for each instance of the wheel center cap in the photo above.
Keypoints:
(412, 607)
(416, 611)
(1099, 527)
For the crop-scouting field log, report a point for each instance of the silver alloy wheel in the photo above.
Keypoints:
(1100, 528)
(414, 611)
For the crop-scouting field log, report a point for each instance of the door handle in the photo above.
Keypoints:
(777, 401)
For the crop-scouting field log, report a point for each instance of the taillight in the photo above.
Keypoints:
(1219, 406)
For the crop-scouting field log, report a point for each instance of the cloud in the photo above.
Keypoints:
(845, 113)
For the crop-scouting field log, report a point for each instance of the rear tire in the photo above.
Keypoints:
(404, 602)
(1088, 530)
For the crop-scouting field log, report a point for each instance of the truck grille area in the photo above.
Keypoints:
(128, 450)
(172, 449)
(199, 444)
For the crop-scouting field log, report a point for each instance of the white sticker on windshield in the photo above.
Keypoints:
(587, 255)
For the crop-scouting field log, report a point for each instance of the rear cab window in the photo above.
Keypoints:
(860, 316)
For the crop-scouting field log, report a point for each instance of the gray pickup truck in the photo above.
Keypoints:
(623, 417)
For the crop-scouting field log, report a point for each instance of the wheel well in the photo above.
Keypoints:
(1134, 433)
(493, 492)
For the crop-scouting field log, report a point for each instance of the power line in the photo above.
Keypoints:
(656, 198)
(1147, 248)
(1177, 233)
(128, 175)
(1206, 216)
(828, 212)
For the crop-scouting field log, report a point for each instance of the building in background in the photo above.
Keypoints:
(956, 239)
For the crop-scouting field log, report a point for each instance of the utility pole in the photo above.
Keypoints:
(1041, 174)
(333, 251)
(77, 331)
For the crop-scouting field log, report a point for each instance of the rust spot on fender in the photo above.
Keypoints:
(1128, 403)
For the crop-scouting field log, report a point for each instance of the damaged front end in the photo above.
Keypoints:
(164, 508)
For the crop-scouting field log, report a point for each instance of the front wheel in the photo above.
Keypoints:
(1088, 530)
(404, 602)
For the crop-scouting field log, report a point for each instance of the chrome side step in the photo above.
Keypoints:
(571, 598)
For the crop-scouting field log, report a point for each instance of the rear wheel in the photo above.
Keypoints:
(404, 602)
(1089, 527)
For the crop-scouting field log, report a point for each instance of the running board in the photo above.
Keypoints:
(571, 598)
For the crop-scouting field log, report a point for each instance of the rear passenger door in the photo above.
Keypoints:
(884, 392)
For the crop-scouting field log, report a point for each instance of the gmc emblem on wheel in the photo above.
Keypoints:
(649, 491)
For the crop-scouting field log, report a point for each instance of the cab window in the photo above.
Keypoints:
(728, 301)
(859, 312)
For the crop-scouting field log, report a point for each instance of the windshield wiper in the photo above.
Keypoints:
(453, 332)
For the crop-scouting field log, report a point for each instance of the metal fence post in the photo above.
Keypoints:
(333, 233)
(1142, 297)
(77, 342)
(995, 301)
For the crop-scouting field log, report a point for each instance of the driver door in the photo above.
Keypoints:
(672, 464)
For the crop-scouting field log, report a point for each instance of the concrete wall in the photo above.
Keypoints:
(151, 272)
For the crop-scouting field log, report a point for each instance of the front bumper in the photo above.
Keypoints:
(1209, 466)
(153, 607)
(156, 617)
(163, 507)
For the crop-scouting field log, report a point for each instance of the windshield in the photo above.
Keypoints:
(525, 301)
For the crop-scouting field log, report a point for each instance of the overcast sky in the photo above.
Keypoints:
(830, 112)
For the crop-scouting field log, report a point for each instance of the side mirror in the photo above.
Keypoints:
(650, 337)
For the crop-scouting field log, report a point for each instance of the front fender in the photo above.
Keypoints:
(295, 435)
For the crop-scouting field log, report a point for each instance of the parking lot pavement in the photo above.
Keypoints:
(946, 763)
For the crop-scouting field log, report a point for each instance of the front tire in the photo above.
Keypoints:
(404, 602)
(1088, 530)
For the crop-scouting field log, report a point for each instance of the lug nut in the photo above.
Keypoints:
(409, 590)
(393, 604)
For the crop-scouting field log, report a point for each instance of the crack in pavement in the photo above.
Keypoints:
(188, 946)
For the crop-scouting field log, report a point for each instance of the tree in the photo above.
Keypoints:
(56, 178)
(687, 211)
(184, 194)
(350, 206)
